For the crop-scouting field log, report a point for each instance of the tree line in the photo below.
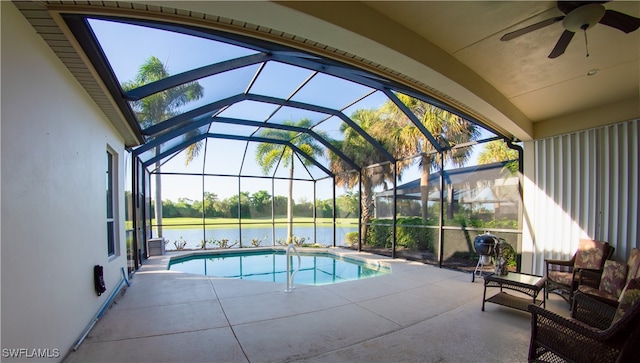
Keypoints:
(256, 205)
(402, 127)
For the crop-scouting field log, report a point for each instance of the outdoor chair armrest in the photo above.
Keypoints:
(560, 262)
(556, 338)
(549, 263)
(540, 315)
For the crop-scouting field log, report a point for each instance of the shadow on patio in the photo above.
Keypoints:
(418, 313)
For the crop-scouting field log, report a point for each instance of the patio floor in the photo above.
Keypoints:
(418, 313)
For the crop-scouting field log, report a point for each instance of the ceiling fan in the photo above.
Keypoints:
(580, 15)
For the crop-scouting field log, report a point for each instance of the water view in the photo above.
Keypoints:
(252, 236)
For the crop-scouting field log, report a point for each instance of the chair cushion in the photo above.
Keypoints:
(614, 277)
(634, 264)
(629, 297)
(561, 277)
(596, 292)
(590, 255)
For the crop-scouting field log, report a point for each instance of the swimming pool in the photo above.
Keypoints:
(316, 268)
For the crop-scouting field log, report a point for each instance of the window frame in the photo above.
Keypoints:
(111, 204)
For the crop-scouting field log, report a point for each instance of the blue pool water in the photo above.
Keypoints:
(316, 268)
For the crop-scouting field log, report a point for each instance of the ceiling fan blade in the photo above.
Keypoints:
(530, 28)
(618, 20)
(562, 44)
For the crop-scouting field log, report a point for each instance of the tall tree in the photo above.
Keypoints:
(208, 204)
(260, 199)
(269, 155)
(363, 153)
(497, 151)
(158, 107)
(447, 128)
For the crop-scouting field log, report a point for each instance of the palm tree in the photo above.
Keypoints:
(446, 127)
(365, 154)
(158, 107)
(497, 151)
(269, 155)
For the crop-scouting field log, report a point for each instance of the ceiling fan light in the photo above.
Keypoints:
(583, 17)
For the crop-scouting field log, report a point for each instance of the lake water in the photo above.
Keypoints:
(193, 236)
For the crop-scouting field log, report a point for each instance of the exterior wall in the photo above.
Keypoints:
(581, 185)
(54, 142)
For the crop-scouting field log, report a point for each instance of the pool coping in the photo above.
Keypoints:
(341, 253)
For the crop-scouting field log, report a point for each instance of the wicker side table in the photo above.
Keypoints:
(529, 285)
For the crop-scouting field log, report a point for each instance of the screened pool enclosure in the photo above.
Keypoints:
(244, 142)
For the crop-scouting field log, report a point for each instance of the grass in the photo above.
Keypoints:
(215, 223)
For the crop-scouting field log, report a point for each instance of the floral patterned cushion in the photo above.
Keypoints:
(590, 254)
(630, 296)
(561, 277)
(634, 264)
(614, 277)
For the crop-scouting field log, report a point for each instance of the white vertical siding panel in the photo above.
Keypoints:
(575, 177)
(625, 184)
(586, 186)
(621, 199)
(575, 173)
(551, 188)
(563, 192)
(605, 185)
(541, 206)
(611, 196)
(592, 172)
(634, 193)
(538, 248)
(584, 174)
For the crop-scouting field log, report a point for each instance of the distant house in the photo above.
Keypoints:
(489, 189)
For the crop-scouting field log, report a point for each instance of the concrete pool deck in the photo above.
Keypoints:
(418, 313)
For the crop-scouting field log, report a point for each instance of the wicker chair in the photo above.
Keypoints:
(608, 286)
(562, 275)
(597, 332)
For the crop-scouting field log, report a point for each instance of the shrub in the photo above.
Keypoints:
(351, 238)
(379, 234)
(462, 220)
(203, 244)
(180, 243)
(410, 234)
(295, 240)
(504, 223)
(224, 243)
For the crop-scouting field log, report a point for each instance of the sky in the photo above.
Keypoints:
(129, 46)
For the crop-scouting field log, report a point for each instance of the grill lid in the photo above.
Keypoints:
(485, 243)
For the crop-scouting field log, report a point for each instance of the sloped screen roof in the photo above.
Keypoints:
(205, 95)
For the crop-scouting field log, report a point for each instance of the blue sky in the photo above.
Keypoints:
(129, 46)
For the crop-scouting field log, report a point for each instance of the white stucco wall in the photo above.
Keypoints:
(54, 140)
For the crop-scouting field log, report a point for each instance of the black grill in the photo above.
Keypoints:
(484, 244)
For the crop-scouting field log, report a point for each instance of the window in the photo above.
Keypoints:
(111, 221)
